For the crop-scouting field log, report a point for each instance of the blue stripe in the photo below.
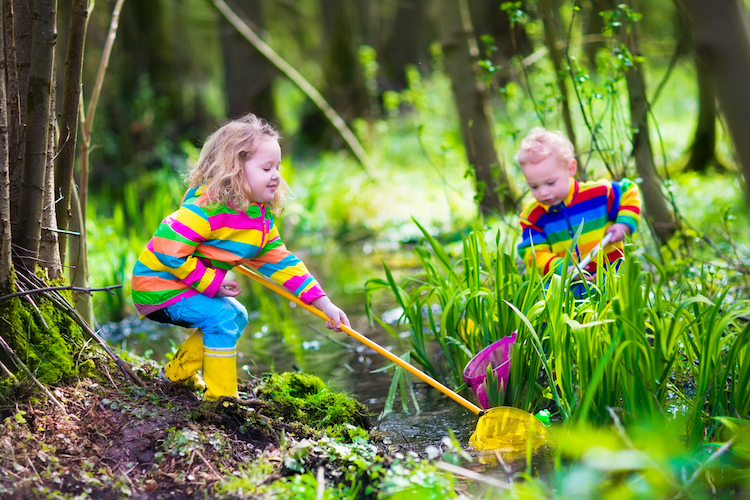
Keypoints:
(617, 193)
(242, 250)
(269, 268)
(299, 290)
(170, 260)
(141, 270)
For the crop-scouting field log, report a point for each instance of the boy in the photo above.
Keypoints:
(562, 204)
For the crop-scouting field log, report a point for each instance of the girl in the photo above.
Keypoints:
(225, 220)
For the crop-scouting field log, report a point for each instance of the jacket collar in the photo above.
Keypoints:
(572, 192)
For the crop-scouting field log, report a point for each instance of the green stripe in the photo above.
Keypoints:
(153, 298)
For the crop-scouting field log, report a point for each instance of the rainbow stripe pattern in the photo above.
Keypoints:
(595, 204)
(193, 249)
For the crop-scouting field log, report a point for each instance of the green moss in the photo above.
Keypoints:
(47, 344)
(304, 398)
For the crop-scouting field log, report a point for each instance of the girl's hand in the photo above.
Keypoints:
(336, 316)
(618, 231)
(228, 288)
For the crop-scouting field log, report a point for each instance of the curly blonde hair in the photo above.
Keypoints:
(221, 163)
(540, 143)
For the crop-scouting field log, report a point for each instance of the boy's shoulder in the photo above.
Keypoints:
(532, 210)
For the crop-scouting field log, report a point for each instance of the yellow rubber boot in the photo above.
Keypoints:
(220, 374)
(187, 361)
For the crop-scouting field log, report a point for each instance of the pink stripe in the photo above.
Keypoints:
(235, 221)
(295, 281)
(211, 289)
(146, 309)
(196, 274)
(314, 293)
(183, 230)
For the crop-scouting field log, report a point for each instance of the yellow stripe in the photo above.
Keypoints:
(207, 278)
(193, 221)
(242, 236)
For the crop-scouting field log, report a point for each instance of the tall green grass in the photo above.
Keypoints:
(640, 344)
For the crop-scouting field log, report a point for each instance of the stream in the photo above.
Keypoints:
(282, 337)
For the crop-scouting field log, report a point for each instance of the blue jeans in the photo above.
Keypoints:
(221, 319)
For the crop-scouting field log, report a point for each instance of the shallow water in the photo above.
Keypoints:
(281, 337)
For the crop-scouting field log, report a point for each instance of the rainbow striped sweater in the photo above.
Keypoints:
(595, 204)
(194, 248)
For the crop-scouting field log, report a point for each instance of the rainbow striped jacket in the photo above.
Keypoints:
(595, 204)
(193, 249)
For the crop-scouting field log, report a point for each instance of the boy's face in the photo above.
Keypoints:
(549, 179)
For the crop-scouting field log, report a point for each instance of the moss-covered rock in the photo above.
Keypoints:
(304, 398)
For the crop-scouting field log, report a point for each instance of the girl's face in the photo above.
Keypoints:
(549, 179)
(262, 171)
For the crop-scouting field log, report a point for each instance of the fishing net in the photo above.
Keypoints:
(497, 355)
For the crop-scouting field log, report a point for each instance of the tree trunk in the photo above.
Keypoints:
(13, 95)
(407, 43)
(247, 73)
(703, 150)
(656, 206)
(593, 25)
(722, 44)
(49, 251)
(551, 34)
(28, 232)
(66, 149)
(494, 190)
(6, 264)
(78, 259)
(345, 88)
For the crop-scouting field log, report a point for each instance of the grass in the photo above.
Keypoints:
(633, 344)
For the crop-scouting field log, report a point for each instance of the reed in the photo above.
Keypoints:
(634, 344)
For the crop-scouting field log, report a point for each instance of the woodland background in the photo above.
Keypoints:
(378, 103)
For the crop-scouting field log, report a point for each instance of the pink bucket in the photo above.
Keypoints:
(496, 354)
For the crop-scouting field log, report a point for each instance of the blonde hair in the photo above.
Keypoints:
(540, 143)
(221, 163)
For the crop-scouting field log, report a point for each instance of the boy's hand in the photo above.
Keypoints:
(619, 231)
(336, 316)
(228, 288)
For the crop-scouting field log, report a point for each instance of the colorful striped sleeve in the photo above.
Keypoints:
(625, 203)
(534, 241)
(174, 244)
(276, 262)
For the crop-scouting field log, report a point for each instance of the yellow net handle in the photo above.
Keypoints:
(361, 338)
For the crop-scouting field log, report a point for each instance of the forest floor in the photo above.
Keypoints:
(117, 440)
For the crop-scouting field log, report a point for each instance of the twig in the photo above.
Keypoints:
(470, 474)
(208, 464)
(31, 376)
(8, 372)
(63, 304)
(321, 478)
(723, 449)
(335, 341)
(57, 288)
(300, 81)
(39, 314)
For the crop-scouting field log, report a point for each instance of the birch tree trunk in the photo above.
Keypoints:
(28, 233)
(495, 192)
(6, 264)
(722, 44)
(49, 252)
